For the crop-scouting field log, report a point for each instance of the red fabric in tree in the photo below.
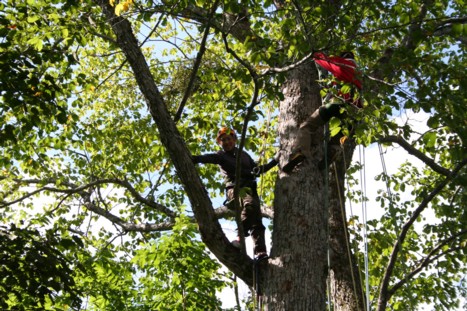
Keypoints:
(343, 69)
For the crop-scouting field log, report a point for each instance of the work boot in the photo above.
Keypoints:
(261, 256)
(236, 243)
(294, 160)
(230, 204)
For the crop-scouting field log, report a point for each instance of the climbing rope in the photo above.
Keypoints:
(349, 253)
(388, 189)
(364, 215)
(341, 202)
(365, 219)
(342, 209)
(257, 301)
(263, 148)
(257, 297)
(326, 210)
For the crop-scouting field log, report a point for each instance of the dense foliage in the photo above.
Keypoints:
(94, 215)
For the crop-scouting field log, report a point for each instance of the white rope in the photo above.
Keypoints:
(383, 163)
(388, 189)
(365, 219)
(257, 302)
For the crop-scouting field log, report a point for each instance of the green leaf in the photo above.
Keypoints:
(89, 150)
(32, 19)
(430, 139)
(457, 29)
(65, 33)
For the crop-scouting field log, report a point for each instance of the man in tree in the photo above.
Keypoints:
(251, 211)
(342, 91)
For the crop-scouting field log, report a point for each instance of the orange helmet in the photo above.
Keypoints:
(226, 131)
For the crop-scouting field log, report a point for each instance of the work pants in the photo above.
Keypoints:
(251, 218)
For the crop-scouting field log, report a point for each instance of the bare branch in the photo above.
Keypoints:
(199, 58)
(73, 189)
(431, 257)
(415, 152)
(127, 226)
(236, 25)
(287, 68)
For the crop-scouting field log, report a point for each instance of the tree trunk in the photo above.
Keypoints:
(296, 276)
(297, 271)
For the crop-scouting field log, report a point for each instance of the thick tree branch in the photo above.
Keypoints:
(446, 28)
(210, 229)
(415, 152)
(415, 27)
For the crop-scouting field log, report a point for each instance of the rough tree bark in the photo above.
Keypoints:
(296, 276)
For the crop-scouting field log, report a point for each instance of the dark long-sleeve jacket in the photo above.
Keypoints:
(227, 164)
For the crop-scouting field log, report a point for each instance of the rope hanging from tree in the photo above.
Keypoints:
(364, 216)
(326, 209)
(263, 149)
(365, 223)
(388, 189)
(344, 69)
